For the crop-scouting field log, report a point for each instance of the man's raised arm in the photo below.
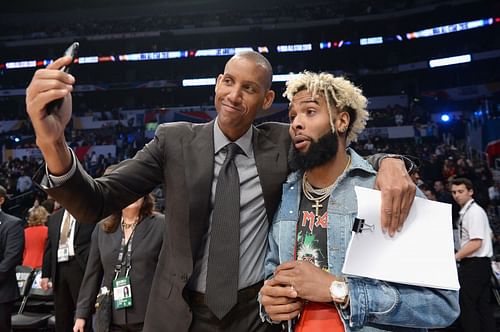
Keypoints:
(49, 84)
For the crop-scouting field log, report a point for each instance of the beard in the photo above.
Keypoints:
(319, 153)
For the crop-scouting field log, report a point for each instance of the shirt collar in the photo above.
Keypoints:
(466, 206)
(244, 142)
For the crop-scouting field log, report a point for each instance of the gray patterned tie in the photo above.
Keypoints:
(224, 254)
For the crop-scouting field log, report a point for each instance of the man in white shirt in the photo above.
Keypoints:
(474, 256)
(65, 257)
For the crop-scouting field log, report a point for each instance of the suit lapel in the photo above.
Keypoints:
(116, 239)
(140, 232)
(58, 221)
(199, 161)
(77, 228)
(270, 162)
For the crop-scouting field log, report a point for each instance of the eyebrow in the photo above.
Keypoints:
(254, 83)
(309, 101)
(304, 102)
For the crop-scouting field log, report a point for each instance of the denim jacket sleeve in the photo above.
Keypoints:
(271, 263)
(383, 303)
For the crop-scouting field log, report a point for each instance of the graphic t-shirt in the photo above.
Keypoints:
(311, 245)
(311, 233)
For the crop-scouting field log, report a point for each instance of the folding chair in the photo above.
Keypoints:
(26, 320)
(39, 300)
(495, 284)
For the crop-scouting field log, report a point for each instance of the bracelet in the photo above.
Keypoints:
(410, 165)
(345, 305)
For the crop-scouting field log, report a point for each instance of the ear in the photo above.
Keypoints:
(268, 99)
(342, 122)
(219, 79)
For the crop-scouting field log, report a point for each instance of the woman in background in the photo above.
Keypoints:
(137, 233)
(35, 236)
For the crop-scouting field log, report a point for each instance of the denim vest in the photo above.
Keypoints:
(375, 305)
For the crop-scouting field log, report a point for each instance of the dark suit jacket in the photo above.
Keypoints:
(81, 243)
(104, 250)
(182, 157)
(11, 255)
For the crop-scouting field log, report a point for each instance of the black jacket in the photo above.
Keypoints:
(11, 255)
(83, 234)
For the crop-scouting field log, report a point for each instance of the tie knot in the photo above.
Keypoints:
(232, 150)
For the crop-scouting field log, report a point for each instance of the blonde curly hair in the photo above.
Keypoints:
(339, 93)
(38, 216)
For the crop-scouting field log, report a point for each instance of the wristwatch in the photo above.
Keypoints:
(410, 165)
(339, 290)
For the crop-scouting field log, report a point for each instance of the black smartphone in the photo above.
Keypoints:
(72, 51)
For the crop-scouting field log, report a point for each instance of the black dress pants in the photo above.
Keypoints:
(244, 317)
(475, 292)
(68, 280)
(5, 316)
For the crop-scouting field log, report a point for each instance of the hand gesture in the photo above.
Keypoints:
(307, 280)
(280, 301)
(47, 85)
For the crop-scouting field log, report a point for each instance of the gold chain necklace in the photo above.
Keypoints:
(320, 193)
(126, 226)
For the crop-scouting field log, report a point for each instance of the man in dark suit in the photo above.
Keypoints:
(64, 261)
(11, 255)
(187, 158)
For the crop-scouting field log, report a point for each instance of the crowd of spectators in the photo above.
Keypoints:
(443, 156)
(15, 174)
(439, 163)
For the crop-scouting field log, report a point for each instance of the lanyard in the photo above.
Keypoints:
(124, 256)
(461, 220)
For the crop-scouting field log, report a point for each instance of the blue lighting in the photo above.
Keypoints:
(445, 118)
(324, 45)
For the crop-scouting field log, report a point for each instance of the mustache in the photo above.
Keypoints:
(319, 153)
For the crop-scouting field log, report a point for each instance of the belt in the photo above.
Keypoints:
(244, 295)
(466, 260)
(70, 259)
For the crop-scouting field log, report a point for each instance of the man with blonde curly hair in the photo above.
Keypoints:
(312, 227)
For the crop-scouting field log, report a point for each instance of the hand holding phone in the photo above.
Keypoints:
(71, 51)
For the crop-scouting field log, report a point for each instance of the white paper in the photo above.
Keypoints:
(422, 254)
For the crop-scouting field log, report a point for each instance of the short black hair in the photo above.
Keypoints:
(464, 181)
